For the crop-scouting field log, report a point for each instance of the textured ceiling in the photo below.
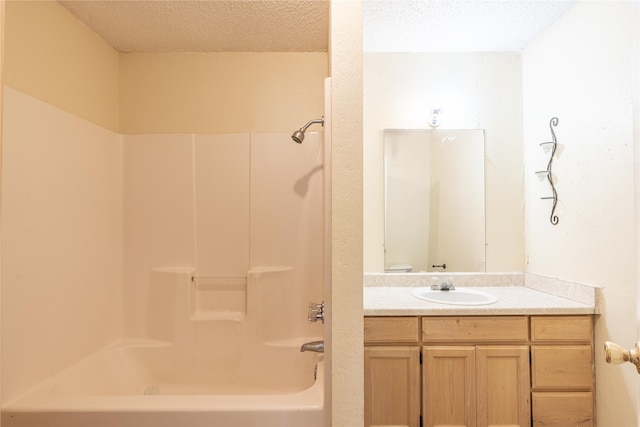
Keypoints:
(207, 25)
(457, 25)
(303, 25)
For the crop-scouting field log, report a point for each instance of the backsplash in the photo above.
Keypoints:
(580, 292)
(459, 279)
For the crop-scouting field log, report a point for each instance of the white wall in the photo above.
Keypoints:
(580, 70)
(476, 91)
(345, 296)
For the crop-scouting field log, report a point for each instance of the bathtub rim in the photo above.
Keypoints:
(34, 400)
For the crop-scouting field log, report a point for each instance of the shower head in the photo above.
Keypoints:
(298, 136)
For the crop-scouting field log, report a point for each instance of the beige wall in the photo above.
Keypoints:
(220, 92)
(591, 91)
(52, 56)
(2, 27)
(476, 91)
(345, 307)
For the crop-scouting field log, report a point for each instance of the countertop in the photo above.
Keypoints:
(512, 300)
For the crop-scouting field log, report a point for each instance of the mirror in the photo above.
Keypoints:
(434, 200)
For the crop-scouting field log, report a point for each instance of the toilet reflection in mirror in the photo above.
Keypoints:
(434, 200)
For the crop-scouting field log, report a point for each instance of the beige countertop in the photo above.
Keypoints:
(512, 300)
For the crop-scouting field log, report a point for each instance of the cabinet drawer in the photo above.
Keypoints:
(561, 328)
(391, 329)
(475, 329)
(572, 409)
(562, 367)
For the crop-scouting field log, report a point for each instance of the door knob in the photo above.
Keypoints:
(615, 354)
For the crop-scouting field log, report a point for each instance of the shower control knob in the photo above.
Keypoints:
(615, 354)
(316, 312)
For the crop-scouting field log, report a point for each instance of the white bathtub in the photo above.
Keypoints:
(152, 383)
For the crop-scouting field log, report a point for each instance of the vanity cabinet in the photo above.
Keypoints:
(562, 373)
(476, 371)
(476, 385)
(479, 371)
(392, 372)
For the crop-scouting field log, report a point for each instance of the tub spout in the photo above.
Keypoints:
(315, 346)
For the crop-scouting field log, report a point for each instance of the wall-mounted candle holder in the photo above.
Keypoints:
(553, 218)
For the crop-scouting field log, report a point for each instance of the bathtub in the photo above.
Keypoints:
(136, 383)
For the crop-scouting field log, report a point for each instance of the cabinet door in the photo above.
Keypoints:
(392, 386)
(449, 386)
(503, 385)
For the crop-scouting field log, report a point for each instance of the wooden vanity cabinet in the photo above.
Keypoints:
(479, 371)
(392, 372)
(476, 371)
(392, 386)
(476, 385)
(562, 373)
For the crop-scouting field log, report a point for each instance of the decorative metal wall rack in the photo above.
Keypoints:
(552, 218)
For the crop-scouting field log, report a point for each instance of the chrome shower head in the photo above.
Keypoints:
(298, 136)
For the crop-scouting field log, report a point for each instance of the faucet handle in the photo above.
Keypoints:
(316, 312)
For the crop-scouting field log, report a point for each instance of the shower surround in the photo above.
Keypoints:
(224, 205)
(154, 265)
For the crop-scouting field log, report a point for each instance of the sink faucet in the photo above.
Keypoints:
(315, 346)
(446, 285)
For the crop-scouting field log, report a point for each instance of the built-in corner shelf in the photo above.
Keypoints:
(553, 218)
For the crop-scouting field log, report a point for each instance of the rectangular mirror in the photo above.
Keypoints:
(434, 200)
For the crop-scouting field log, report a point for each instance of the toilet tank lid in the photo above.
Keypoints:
(399, 267)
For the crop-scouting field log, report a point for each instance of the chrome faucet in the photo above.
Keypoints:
(445, 285)
(315, 346)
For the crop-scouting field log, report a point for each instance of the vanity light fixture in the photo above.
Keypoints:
(434, 118)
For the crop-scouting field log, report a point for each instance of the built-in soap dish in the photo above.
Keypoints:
(219, 298)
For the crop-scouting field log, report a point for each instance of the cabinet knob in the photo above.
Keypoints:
(615, 354)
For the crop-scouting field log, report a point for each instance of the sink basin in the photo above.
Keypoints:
(459, 296)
